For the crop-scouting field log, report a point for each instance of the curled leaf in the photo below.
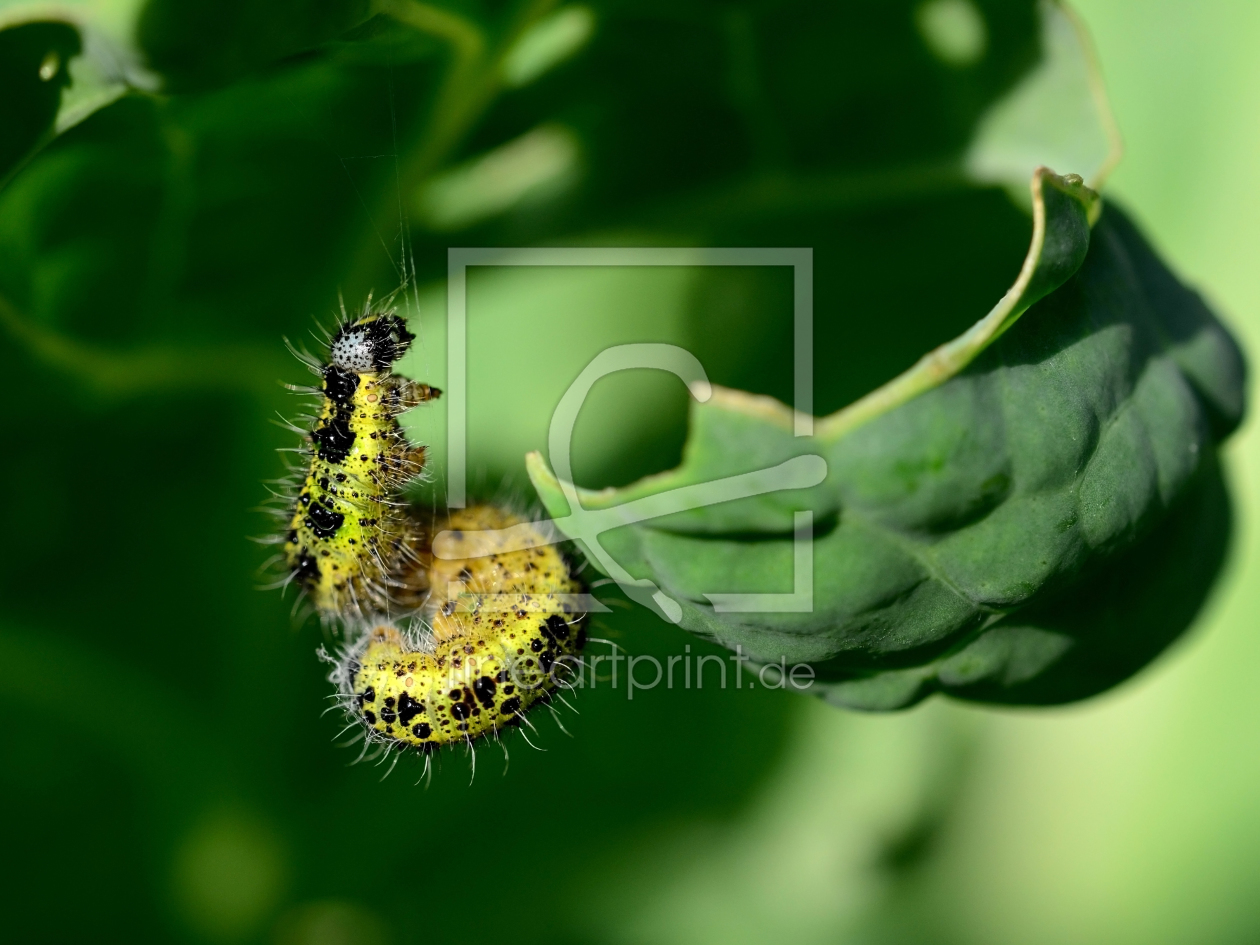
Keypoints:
(968, 499)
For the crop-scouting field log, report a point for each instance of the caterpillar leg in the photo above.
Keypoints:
(413, 393)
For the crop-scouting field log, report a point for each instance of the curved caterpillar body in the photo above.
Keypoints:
(348, 533)
(500, 639)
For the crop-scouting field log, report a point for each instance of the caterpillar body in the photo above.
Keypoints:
(501, 635)
(349, 534)
(491, 631)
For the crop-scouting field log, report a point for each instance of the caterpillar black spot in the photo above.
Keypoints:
(500, 634)
(349, 535)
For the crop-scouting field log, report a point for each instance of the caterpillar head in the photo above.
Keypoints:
(370, 344)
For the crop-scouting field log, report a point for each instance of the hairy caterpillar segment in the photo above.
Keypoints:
(502, 641)
(522, 581)
(348, 533)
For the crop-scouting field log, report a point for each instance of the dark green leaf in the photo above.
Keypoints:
(31, 56)
(59, 64)
(963, 490)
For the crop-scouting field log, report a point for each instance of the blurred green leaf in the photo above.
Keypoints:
(1058, 115)
(60, 63)
(63, 61)
(204, 45)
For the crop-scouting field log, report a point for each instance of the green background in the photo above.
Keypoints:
(162, 771)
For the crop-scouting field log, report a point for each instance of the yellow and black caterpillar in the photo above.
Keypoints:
(349, 534)
(490, 632)
(500, 634)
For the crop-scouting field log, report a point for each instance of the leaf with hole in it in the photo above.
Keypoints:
(60, 62)
(980, 511)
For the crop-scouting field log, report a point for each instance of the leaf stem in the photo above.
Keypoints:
(463, 35)
(144, 370)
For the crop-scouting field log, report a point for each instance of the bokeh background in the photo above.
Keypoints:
(164, 771)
